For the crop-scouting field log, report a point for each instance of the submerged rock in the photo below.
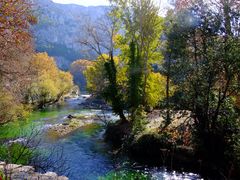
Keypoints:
(70, 116)
(73, 124)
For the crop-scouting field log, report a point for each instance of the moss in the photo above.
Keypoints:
(74, 124)
(91, 129)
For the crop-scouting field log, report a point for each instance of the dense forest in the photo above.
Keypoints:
(173, 82)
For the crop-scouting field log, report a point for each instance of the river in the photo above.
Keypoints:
(87, 156)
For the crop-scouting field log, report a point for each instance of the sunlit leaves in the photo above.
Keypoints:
(50, 83)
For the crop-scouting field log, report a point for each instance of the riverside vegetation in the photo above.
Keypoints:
(187, 61)
(173, 81)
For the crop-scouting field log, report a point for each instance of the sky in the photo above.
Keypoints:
(83, 2)
(163, 3)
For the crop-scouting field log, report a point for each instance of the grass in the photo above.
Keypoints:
(125, 175)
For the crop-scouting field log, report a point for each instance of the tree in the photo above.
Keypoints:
(15, 19)
(174, 42)
(100, 38)
(111, 92)
(135, 76)
(143, 27)
(209, 57)
(50, 83)
(77, 70)
(15, 54)
(9, 108)
(137, 46)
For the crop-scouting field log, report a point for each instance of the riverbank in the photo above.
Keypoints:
(159, 146)
(19, 172)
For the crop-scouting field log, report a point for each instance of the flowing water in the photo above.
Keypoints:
(85, 152)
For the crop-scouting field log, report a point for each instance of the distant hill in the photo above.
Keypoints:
(59, 28)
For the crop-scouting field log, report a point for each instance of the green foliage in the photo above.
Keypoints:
(125, 175)
(2, 175)
(140, 120)
(111, 92)
(15, 153)
(135, 79)
(203, 57)
(95, 74)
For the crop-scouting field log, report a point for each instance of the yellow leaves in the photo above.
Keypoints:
(50, 83)
(95, 74)
(156, 83)
(42, 64)
(156, 89)
(81, 64)
(65, 82)
(10, 109)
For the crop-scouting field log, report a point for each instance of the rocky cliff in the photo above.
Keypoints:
(59, 28)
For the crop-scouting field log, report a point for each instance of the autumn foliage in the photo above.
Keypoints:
(25, 77)
(49, 84)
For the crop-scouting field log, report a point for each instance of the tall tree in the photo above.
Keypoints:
(135, 75)
(142, 27)
(15, 54)
(209, 33)
(100, 38)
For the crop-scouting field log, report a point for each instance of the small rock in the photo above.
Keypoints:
(70, 116)
(51, 175)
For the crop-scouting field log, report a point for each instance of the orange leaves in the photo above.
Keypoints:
(80, 65)
(15, 20)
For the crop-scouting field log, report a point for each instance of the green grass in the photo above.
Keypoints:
(125, 175)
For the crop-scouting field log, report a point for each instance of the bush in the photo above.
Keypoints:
(150, 148)
(16, 154)
(117, 132)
